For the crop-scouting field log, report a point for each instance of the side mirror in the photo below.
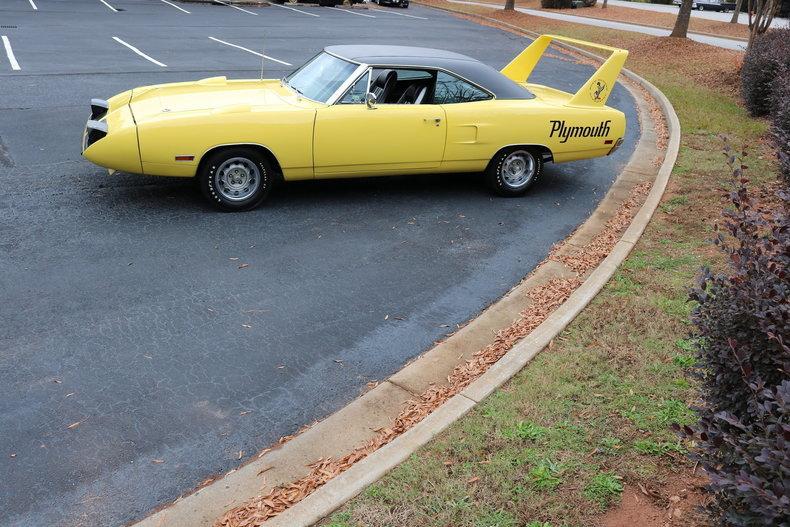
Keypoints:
(370, 100)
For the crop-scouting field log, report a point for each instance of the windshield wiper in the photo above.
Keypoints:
(294, 88)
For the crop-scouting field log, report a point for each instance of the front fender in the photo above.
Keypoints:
(118, 149)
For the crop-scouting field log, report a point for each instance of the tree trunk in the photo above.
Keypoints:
(764, 11)
(681, 28)
(604, 4)
(510, 5)
(737, 12)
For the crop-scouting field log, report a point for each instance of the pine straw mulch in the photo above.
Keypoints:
(714, 68)
(640, 16)
(582, 260)
(544, 300)
(708, 66)
(657, 19)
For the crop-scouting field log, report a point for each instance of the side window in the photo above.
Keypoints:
(401, 85)
(356, 93)
(450, 89)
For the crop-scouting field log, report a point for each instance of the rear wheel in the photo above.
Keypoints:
(512, 171)
(236, 179)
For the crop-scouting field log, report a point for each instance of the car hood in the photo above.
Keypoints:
(216, 95)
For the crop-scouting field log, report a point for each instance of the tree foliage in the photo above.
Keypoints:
(768, 55)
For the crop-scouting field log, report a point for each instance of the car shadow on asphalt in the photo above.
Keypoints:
(169, 194)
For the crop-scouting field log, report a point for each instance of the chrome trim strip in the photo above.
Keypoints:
(551, 152)
(340, 57)
(341, 90)
(241, 143)
(368, 69)
(97, 125)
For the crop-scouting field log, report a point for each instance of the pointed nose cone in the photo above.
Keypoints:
(118, 148)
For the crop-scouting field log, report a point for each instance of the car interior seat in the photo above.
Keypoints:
(409, 95)
(420, 95)
(383, 84)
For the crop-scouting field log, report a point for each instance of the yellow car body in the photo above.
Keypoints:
(168, 129)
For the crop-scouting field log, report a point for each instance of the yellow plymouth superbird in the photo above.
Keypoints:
(355, 111)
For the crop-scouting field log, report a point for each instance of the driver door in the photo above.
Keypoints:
(350, 138)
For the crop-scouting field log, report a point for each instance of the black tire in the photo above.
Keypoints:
(501, 183)
(247, 163)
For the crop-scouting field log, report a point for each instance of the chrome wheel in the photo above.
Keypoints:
(518, 169)
(237, 179)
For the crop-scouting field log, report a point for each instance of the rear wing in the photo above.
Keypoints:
(597, 88)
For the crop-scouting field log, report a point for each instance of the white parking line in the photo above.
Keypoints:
(390, 12)
(108, 5)
(297, 10)
(179, 8)
(250, 51)
(10, 53)
(33, 5)
(146, 57)
(351, 12)
(235, 7)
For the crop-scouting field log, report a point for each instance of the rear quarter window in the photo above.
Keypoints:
(451, 89)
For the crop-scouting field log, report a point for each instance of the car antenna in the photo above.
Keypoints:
(263, 54)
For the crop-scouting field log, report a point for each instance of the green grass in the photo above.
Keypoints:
(603, 489)
(498, 518)
(525, 431)
(556, 445)
(544, 476)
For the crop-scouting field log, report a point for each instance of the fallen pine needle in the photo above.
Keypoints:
(544, 299)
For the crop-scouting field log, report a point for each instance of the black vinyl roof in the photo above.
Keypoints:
(463, 66)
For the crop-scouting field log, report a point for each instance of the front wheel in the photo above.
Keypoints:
(512, 171)
(236, 179)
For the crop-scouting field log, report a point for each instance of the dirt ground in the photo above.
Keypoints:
(676, 502)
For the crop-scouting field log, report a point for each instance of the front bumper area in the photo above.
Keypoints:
(110, 136)
(94, 130)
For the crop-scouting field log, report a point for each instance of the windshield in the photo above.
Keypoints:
(319, 78)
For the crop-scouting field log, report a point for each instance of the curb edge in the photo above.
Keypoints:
(347, 485)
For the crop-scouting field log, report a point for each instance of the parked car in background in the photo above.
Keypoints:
(396, 3)
(322, 3)
(709, 5)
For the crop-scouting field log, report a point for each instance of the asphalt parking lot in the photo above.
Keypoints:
(148, 342)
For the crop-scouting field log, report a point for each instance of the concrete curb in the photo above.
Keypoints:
(354, 424)
(331, 496)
